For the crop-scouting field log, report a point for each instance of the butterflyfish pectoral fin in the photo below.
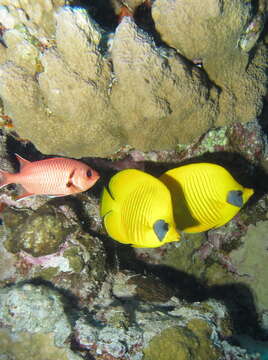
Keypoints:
(22, 161)
(235, 197)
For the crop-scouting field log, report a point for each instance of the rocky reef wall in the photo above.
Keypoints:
(91, 91)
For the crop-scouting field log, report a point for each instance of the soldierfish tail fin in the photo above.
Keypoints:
(4, 178)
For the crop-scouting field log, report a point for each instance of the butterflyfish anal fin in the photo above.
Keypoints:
(235, 197)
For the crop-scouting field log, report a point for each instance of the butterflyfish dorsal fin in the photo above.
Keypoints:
(235, 197)
(22, 161)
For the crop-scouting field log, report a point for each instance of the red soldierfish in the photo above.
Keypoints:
(53, 176)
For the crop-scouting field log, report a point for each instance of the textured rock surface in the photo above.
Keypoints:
(49, 244)
(40, 233)
(177, 343)
(30, 346)
(34, 309)
(210, 35)
(251, 259)
(57, 76)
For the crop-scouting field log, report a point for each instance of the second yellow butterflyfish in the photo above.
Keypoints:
(137, 209)
(204, 196)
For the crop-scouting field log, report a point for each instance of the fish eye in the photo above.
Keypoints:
(89, 173)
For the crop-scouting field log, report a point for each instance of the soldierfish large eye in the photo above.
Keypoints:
(89, 173)
(160, 228)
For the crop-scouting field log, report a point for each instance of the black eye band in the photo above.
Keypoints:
(160, 228)
(89, 173)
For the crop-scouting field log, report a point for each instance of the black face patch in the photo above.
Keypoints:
(235, 197)
(160, 228)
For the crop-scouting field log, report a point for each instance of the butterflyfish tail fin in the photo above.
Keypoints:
(4, 178)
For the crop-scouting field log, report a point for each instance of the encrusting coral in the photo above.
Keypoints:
(90, 97)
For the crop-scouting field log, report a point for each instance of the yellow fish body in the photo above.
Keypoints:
(137, 209)
(204, 196)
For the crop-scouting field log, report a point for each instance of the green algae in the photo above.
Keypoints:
(75, 259)
(183, 257)
(47, 274)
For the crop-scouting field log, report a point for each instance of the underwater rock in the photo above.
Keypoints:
(250, 260)
(30, 346)
(34, 309)
(110, 327)
(209, 33)
(33, 17)
(144, 288)
(176, 343)
(194, 27)
(170, 89)
(132, 330)
(45, 244)
(90, 96)
(39, 233)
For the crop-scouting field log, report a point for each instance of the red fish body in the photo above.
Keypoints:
(53, 176)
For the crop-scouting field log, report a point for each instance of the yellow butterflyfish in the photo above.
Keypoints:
(204, 196)
(137, 209)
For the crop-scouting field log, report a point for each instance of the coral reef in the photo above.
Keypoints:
(47, 315)
(250, 260)
(51, 247)
(210, 35)
(116, 330)
(190, 91)
(90, 91)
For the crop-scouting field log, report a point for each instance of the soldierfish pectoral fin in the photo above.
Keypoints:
(22, 161)
(70, 183)
(235, 197)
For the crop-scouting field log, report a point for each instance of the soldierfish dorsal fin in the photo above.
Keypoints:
(22, 161)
